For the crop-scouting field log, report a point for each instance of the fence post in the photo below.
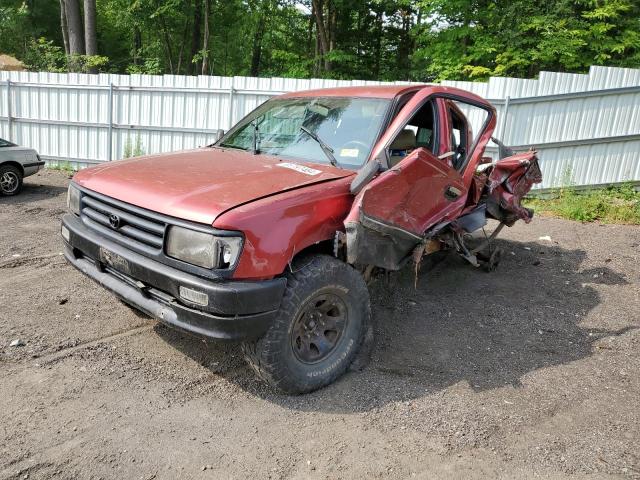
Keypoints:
(110, 131)
(503, 121)
(9, 112)
(231, 96)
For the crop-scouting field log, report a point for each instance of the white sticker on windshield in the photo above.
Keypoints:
(349, 152)
(299, 168)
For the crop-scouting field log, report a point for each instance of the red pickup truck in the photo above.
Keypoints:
(267, 235)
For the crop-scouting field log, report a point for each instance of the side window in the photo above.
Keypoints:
(459, 136)
(465, 119)
(418, 132)
(400, 105)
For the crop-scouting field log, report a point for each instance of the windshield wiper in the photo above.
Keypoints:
(256, 137)
(328, 151)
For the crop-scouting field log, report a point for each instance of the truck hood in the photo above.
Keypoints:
(198, 185)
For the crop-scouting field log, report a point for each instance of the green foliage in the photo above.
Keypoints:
(42, 55)
(150, 66)
(422, 40)
(14, 26)
(133, 149)
(614, 204)
(67, 167)
(465, 39)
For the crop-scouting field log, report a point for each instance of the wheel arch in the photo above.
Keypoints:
(13, 163)
(318, 248)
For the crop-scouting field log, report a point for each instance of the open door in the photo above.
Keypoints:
(392, 213)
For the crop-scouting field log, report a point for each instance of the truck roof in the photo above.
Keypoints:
(382, 91)
(364, 91)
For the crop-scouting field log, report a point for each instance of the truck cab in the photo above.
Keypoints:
(268, 235)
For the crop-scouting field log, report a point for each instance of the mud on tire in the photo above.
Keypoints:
(318, 330)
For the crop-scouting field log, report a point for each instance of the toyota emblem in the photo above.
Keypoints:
(114, 221)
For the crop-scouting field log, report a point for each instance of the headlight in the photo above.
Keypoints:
(203, 249)
(73, 199)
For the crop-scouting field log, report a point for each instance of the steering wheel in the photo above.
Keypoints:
(361, 146)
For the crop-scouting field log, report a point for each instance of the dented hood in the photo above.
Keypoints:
(199, 185)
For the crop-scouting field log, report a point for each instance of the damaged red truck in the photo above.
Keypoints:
(267, 235)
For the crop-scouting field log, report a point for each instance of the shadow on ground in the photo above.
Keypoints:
(459, 325)
(33, 192)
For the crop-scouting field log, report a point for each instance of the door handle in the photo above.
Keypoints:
(451, 192)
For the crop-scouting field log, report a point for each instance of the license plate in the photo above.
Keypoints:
(114, 260)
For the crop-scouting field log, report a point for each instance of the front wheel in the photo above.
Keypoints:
(318, 330)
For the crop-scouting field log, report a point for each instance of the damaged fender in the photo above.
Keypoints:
(509, 181)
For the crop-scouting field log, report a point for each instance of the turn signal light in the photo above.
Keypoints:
(194, 296)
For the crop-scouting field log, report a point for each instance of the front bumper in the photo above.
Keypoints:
(32, 168)
(237, 309)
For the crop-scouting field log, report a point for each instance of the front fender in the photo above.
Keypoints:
(276, 228)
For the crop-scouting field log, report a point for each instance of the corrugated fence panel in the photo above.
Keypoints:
(586, 127)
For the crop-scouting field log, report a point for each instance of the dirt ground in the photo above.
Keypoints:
(530, 371)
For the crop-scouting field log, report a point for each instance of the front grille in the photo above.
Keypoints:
(129, 224)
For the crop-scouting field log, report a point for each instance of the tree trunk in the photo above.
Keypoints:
(257, 39)
(378, 45)
(90, 35)
(137, 44)
(323, 39)
(74, 27)
(185, 36)
(310, 33)
(205, 39)
(63, 27)
(195, 67)
(405, 43)
(333, 27)
(167, 43)
(316, 44)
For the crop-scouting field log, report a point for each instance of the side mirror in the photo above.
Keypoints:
(364, 176)
(218, 135)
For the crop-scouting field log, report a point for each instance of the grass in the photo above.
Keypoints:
(614, 204)
(63, 167)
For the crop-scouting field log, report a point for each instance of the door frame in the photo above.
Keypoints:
(382, 156)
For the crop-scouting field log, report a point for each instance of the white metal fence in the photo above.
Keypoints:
(586, 127)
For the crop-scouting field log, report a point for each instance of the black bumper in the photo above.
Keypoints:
(237, 309)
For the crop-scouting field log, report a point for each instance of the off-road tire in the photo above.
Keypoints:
(16, 175)
(273, 357)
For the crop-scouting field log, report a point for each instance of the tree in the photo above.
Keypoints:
(196, 62)
(322, 29)
(205, 39)
(64, 27)
(90, 35)
(75, 30)
(364, 39)
(263, 10)
(468, 39)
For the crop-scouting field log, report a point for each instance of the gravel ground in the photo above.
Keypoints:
(530, 371)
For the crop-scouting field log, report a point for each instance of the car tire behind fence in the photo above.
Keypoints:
(318, 330)
(10, 180)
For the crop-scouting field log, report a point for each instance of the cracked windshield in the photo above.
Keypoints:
(339, 131)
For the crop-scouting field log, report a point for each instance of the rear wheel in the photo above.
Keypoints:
(318, 330)
(10, 180)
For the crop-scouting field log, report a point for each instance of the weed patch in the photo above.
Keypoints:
(614, 204)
